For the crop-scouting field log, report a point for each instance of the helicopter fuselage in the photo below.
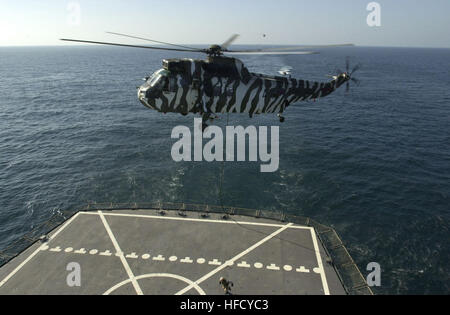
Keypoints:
(224, 85)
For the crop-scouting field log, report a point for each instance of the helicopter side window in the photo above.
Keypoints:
(172, 84)
(195, 84)
(230, 90)
(217, 91)
(184, 82)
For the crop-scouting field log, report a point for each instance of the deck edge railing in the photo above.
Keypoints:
(344, 265)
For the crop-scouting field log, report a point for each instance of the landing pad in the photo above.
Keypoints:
(152, 253)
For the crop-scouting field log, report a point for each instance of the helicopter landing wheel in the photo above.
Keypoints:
(282, 119)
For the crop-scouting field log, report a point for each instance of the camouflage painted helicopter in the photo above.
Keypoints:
(221, 84)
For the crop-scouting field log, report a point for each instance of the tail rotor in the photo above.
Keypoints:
(349, 73)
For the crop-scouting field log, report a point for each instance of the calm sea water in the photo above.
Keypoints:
(374, 164)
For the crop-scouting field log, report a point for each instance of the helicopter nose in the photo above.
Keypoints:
(144, 91)
(141, 92)
(145, 95)
(346, 76)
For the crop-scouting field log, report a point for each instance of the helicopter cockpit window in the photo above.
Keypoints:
(160, 80)
(153, 79)
(156, 82)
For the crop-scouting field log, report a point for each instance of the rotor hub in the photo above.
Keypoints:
(214, 50)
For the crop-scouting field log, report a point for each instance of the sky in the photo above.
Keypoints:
(411, 23)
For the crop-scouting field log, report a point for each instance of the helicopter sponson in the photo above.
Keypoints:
(221, 84)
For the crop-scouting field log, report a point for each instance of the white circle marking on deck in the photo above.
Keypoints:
(93, 252)
(287, 268)
(201, 261)
(258, 265)
(173, 258)
(68, 249)
(158, 275)
(145, 256)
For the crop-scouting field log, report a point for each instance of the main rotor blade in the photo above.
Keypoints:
(229, 41)
(356, 68)
(271, 52)
(357, 82)
(151, 40)
(124, 45)
(292, 48)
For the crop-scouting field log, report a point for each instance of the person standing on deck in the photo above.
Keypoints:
(226, 285)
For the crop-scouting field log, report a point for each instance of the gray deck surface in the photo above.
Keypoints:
(143, 252)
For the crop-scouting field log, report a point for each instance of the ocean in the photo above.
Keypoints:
(373, 163)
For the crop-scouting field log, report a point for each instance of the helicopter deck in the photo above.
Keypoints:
(150, 252)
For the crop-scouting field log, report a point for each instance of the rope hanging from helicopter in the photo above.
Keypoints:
(222, 173)
(221, 180)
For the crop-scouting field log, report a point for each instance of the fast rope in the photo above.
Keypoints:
(221, 179)
(222, 174)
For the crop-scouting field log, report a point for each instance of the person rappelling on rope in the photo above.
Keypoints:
(206, 96)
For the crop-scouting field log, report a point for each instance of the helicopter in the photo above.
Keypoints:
(221, 84)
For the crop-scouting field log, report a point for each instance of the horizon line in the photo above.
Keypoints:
(355, 46)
